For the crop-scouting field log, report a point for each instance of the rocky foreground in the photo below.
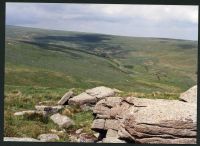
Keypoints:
(125, 119)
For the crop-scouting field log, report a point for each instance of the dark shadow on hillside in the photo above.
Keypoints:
(89, 38)
(52, 47)
(187, 46)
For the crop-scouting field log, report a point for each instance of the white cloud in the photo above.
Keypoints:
(135, 20)
(152, 12)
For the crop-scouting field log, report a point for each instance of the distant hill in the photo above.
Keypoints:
(65, 59)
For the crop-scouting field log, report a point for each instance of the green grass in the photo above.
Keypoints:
(39, 57)
(19, 98)
(41, 65)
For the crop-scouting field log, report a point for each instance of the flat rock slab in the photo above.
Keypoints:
(29, 112)
(159, 121)
(65, 98)
(101, 92)
(20, 139)
(82, 99)
(154, 111)
(49, 109)
(61, 120)
(48, 137)
(190, 95)
(21, 113)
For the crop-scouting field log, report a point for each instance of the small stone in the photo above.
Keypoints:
(79, 131)
(84, 137)
(20, 139)
(48, 137)
(49, 109)
(30, 113)
(62, 121)
(96, 135)
(24, 112)
(53, 130)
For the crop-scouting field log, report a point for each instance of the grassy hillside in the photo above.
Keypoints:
(41, 65)
(49, 58)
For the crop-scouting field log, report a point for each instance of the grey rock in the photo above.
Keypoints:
(21, 139)
(112, 140)
(84, 137)
(79, 131)
(101, 92)
(65, 98)
(21, 113)
(30, 113)
(112, 124)
(96, 134)
(119, 111)
(48, 137)
(161, 120)
(49, 109)
(98, 124)
(157, 140)
(81, 99)
(123, 134)
(86, 107)
(190, 95)
(144, 121)
(112, 101)
(74, 138)
(61, 120)
(101, 110)
(112, 133)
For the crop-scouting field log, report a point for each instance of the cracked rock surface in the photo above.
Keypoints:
(146, 121)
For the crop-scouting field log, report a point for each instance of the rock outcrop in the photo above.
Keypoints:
(122, 119)
(145, 121)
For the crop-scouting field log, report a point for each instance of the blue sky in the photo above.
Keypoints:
(165, 21)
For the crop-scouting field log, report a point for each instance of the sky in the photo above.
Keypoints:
(161, 21)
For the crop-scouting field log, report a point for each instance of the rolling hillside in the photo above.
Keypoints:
(42, 65)
(64, 59)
